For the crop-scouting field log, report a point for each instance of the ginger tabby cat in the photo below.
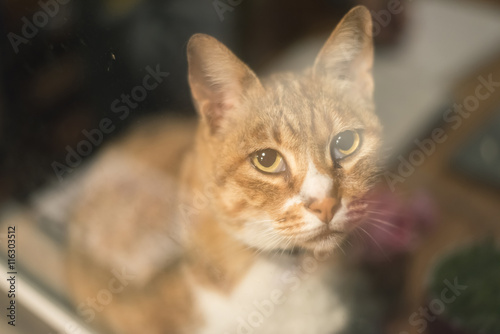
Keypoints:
(233, 225)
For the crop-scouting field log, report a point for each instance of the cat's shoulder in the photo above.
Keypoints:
(158, 140)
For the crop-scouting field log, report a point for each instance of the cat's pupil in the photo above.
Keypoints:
(267, 157)
(345, 140)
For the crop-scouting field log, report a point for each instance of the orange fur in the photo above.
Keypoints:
(227, 210)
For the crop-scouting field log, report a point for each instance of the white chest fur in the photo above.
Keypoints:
(284, 295)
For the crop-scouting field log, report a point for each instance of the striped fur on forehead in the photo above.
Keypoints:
(308, 111)
(297, 115)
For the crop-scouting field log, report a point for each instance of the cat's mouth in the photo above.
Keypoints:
(333, 234)
(323, 240)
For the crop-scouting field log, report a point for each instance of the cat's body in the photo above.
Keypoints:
(234, 229)
(191, 292)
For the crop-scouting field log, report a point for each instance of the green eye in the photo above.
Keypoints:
(268, 161)
(344, 144)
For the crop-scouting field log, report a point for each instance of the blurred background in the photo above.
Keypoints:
(64, 65)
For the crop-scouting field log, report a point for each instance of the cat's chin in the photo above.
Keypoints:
(324, 242)
(330, 238)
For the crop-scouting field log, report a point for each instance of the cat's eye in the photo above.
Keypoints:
(344, 144)
(268, 161)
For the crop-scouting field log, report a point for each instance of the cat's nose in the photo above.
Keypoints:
(324, 209)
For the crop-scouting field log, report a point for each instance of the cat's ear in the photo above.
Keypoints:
(217, 79)
(348, 52)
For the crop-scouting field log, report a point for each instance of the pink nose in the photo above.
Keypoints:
(324, 209)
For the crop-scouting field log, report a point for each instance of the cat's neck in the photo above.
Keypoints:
(219, 261)
(215, 257)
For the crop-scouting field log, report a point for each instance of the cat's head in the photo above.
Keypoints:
(293, 156)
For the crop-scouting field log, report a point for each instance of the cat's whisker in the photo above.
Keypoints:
(381, 212)
(371, 201)
(290, 239)
(267, 236)
(275, 244)
(270, 239)
(339, 246)
(387, 214)
(375, 242)
(384, 230)
(294, 244)
(383, 222)
(350, 244)
(359, 238)
(371, 204)
(267, 221)
(273, 238)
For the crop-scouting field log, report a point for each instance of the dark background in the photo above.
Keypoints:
(64, 78)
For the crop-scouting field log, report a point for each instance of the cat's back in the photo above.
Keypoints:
(133, 180)
(143, 165)
(159, 142)
(124, 216)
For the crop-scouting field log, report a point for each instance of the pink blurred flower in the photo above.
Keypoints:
(395, 225)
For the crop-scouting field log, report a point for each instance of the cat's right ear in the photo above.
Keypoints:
(348, 53)
(218, 80)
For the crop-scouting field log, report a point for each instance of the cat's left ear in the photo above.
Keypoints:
(348, 52)
(218, 80)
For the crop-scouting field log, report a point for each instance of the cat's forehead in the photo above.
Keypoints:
(302, 105)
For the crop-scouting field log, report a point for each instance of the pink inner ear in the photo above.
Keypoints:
(217, 78)
(214, 112)
(348, 52)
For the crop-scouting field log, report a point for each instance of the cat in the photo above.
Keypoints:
(232, 224)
